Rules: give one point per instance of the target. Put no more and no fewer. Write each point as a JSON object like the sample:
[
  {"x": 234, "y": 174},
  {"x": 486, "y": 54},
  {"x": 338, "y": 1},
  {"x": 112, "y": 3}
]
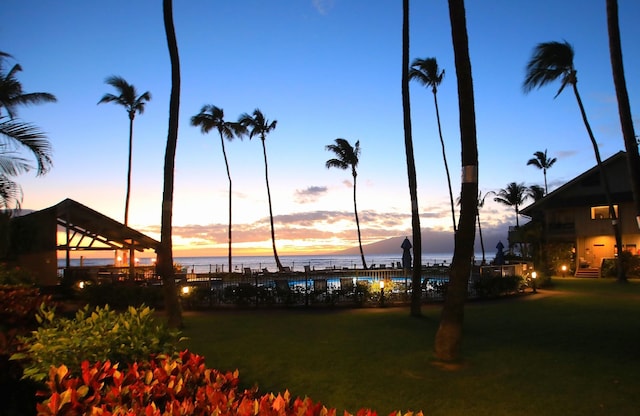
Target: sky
[{"x": 324, "y": 69}]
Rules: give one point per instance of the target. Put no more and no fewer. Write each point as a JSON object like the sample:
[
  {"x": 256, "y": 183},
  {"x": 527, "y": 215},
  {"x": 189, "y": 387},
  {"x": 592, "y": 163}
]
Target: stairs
[{"x": 592, "y": 272}]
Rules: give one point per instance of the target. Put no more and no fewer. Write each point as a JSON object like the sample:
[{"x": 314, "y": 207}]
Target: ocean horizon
[{"x": 209, "y": 264}]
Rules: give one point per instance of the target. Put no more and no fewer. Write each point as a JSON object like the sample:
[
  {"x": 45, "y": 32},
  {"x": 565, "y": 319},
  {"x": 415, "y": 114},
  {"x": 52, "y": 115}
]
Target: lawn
[{"x": 573, "y": 349}]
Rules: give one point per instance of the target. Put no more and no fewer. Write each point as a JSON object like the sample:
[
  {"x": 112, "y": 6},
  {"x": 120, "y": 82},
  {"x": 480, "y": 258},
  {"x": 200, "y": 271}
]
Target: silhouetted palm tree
[
  {"x": 481, "y": 199},
  {"x": 416, "y": 274},
  {"x": 16, "y": 135},
  {"x": 11, "y": 93},
  {"x": 449, "y": 335},
  {"x": 554, "y": 60},
  {"x": 258, "y": 125},
  {"x": 541, "y": 161},
  {"x": 513, "y": 195},
  {"x": 165, "y": 251},
  {"x": 624, "y": 108},
  {"x": 128, "y": 97},
  {"x": 212, "y": 117},
  {"x": 535, "y": 192},
  {"x": 347, "y": 156},
  {"x": 427, "y": 73}
]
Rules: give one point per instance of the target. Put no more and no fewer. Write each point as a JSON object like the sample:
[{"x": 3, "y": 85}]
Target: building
[{"x": 577, "y": 215}]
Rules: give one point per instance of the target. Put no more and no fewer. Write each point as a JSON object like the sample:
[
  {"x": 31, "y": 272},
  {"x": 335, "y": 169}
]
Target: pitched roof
[
  {"x": 587, "y": 189},
  {"x": 90, "y": 226}
]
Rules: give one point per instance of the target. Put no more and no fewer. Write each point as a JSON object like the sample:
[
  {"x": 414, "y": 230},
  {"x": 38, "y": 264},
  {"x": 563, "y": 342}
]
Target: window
[{"x": 602, "y": 212}]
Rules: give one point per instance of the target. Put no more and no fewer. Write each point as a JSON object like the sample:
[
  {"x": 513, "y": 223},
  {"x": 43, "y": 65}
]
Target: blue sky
[{"x": 323, "y": 69}]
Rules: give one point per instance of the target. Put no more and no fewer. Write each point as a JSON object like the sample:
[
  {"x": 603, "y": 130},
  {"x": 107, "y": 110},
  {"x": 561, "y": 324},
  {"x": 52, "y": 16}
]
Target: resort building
[{"x": 576, "y": 218}]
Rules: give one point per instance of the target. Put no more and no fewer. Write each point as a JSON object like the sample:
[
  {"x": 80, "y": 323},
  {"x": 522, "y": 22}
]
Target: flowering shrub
[{"x": 167, "y": 387}]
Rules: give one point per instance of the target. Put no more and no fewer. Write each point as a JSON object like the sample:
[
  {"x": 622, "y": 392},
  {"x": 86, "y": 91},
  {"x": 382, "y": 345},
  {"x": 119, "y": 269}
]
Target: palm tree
[
  {"x": 449, "y": 335},
  {"x": 11, "y": 93},
  {"x": 165, "y": 251},
  {"x": 16, "y": 135},
  {"x": 211, "y": 117},
  {"x": 624, "y": 108},
  {"x": 535, "y": 192},
  {"x": 554, "y": 60},
  {"x": 427, "y": 73},
  {"x": 258, "y": 125},
  {"x": 541, "y": 161},
  {"x": 514, "y": 195},
  {"x": 481, "y": 199},
  {"x": 347, "y": 157},
  {"x": 128, "y": 97},
  {"x": 416, "y": 274}
]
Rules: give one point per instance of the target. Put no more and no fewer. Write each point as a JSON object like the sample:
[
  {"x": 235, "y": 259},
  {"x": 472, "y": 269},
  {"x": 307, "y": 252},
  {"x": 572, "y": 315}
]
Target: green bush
[
  {"x": 492, "y": 285},
  {"x": 120, "y": 296},
  {"x": 95, "y": 335},
  {"x": 15, "y": 276},
  {"x": 630, "y": 264}
]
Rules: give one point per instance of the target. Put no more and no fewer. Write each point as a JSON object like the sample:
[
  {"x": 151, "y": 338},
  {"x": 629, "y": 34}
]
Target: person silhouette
[{"x": 406, "y": 253}]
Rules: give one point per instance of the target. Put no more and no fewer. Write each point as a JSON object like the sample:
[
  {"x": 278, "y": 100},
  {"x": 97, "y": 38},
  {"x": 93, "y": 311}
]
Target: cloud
[
  {"x": 311, "y": 194},
  {"x": 323, "y": 6}
]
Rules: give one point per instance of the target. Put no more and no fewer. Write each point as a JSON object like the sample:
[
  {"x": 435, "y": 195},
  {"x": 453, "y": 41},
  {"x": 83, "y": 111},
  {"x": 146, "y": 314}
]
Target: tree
[
  {"x": 165, "y": 251},
  {"x": 416, "y": 273},
  {"x": 513, "y": 195},
  {"x": 427, "y": 73},
  {"x": 11, "y": 92},
  {"x": 541, "y": 161},
  {"x": 449, "y": 335},
  {"x": 17, "y": 135},
  {"x": 258, "y": 125},
  {"x": 624, "y": 108},
  {"x": 554, "y": 60},
  {"x": 212, "y": 117},
  {"x": 348, "y": 156},
  {"x": 535, "y": 192},
  {"x": 128, "y": 97}
]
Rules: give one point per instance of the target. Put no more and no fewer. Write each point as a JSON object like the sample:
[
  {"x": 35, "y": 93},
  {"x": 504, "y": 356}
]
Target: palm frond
[
  {"x": 10, "y": 193},
  {"x": 25, "y": 134},
  {"x": 549, "y": 61}
]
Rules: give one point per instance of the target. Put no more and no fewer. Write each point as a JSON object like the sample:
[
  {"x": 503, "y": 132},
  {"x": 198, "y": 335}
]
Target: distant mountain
[{"x": 433, "y": 242}]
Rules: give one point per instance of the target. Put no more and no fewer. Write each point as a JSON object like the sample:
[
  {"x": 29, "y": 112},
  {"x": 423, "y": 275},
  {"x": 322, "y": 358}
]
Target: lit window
[{"x": 602, "y": 212}]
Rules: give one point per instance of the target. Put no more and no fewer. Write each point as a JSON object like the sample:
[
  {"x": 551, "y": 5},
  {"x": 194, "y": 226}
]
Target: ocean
[{"x": 296, "y": 263}]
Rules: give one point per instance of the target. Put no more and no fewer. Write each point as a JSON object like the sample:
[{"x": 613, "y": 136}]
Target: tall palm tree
[
  {"x": 16, "y": 135},
  {"x": 348, "y": 156},
  {"x": 212, "y": 117},
  {"x": 257, "y": 125},
  {"x": 481, "y": 199},
  {"x": 11, "y": 92},
  {"x": 416, "y": 273},
  {"x": 624, "y": 108},
  {"x": 427, "y": 73},
  {"x": 128, "y": 97},
  {"x": 541, "y": 161},
  {"x": 449, "y": 335},
  {"x": 514, "y": 195},
  {"x": 554, "y": 60},
  {"x": 165, "y": 251}
]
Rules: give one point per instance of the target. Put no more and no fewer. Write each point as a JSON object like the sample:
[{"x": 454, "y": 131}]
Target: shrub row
[{"x": 165, "y": 386}]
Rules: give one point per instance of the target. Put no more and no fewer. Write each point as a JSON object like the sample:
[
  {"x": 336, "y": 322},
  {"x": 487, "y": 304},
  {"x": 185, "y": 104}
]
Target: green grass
[{"x": 573, "y": 349}]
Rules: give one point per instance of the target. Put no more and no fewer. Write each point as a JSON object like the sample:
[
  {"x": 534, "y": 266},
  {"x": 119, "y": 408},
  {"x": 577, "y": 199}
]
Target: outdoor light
[
  {"x": 533, "y": 281},
  {"x": 185, "y": 290},
  {"x": 564, "y": 269},
  {"x": 381, "y": 284}
]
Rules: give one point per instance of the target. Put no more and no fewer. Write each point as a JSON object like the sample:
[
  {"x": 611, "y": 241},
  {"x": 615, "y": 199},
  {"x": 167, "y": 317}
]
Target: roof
[
  {"x": 88, "y": 229},
  {"x": 587, "y": 188}
]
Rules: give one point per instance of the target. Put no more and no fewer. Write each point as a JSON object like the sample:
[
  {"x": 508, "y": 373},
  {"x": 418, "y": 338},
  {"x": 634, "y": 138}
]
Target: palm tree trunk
[
  {"x": 226, "y": 163},
  {"x": 446, "y": 165},
  {"x": 624, "y": 108},
  {"x": 355, "y": 209},
  {"x": 165, "y": 251},
  {"x": 127, "y": 197},
  {"x": 416, "y": 275},
  {"x": 484, "y": 261},
  {"x": 273, "y": 233},
  {"x": 449, "y": 335},
  {"x": 544, "y": 173},
  {"x": 607, "y": 191}
]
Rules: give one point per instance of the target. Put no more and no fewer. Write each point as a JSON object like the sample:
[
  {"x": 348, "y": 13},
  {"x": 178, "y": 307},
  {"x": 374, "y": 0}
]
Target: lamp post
[
  {"x": 533, "y": 281},
  {"x": 564, "y": 269},
  {"x": 381, "y": 292}
]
